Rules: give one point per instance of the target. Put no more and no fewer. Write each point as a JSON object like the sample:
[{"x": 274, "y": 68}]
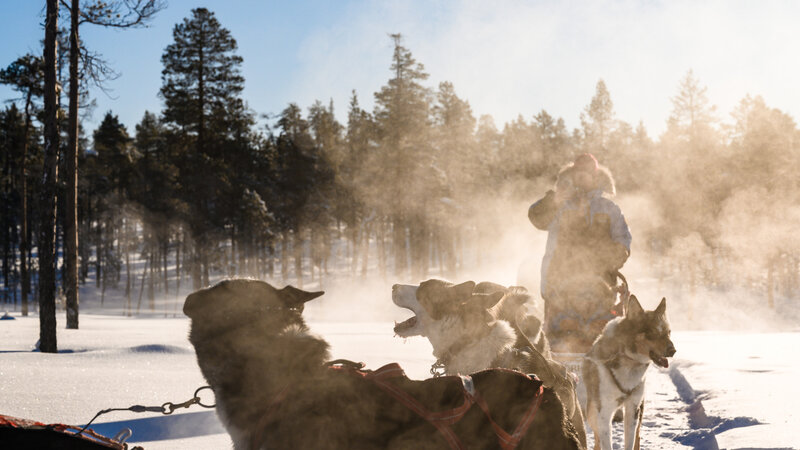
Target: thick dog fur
[
  {"x": 614, "y": 369},
  {"x": 473, "y": 327},
  {"x": 442, "y": 298},
  {"x": 274, "y": 389}
]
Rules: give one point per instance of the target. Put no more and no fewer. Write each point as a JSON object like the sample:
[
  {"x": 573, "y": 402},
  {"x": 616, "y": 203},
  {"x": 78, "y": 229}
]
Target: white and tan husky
[{"x": 614, "y": 369}]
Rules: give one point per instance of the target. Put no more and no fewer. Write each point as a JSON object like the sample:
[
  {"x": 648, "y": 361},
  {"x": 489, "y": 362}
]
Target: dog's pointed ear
[
  {"x": 293, "y": 297},
  {"x": 485, "y": 287},
  {"x": 634, "y": 308},
  {"x": 518, "y": 296},
  {"x": 464, "y": 289},
  {"x": 661, "y": 310},
  {"x": 485, "y": 301},
  {"x": 521, "y": 289}
]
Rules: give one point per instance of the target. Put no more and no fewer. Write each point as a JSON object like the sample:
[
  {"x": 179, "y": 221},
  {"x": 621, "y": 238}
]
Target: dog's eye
[{"x": 651, "y": 336}]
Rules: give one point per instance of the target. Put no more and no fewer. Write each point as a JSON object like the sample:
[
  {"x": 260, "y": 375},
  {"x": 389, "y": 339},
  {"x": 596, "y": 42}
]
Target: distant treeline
[{"x": 200, "y": 189}]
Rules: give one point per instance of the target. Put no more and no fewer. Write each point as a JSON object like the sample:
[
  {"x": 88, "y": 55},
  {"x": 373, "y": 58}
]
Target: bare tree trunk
[
  {"x": 178, "y": 276},
  {"x": 165, "y": 259},
  {"x": 128, "y": 286},
  {"x": 297, "y": 249},
  {"x": 313, "y": 256},
  {"x": 243, "y": 265},
  {"x": 151, "y": 290},
  {"x": 23, "y": 237},
  {"x": 418, "y": 237},
  {"x": 196, "y": 276},
  {"x": 355, "y": 240},
  {"x": 99, "y": 252},
  {"x": 327, "y": 249},
  {"x": 382, "y": 247},
  {"x": 285, "y": 257},
  {"x": 71, "y": 225},
  {"x": 141, "y": 286},
  {"x": 47, "y": 266},
  {"x": 365, "y": 232},
  {"x": 270, "y": 259},
  {"x": 399, "y": 246},
  {"x": 6, "y": 250},
  {"x": 206, "y": 264},
  {"x": 85, "y": 245},
  {"x": 232, "y": 262}
]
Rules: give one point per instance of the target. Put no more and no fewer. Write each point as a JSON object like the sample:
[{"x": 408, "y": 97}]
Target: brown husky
[
  {"x": 614, "y": 369},
  {"x": 275, "y": 390}
]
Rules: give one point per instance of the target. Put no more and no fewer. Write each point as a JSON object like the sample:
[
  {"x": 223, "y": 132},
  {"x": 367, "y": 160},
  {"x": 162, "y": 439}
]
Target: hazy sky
[{"x": 505, "y": 57}]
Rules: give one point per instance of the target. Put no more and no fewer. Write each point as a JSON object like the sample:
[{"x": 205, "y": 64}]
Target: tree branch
[
  {"x": 97, "y": 70},
  {"x": 120, "y": 13}
]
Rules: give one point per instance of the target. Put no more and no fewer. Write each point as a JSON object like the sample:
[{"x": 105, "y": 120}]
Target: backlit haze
[{"x": 732, "y": 192}]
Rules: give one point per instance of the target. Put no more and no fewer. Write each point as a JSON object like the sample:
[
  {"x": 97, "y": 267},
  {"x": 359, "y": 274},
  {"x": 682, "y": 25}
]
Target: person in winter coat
[{"x": 588, "y": 241}]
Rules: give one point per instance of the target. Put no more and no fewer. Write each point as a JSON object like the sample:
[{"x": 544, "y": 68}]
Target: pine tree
[
  {"x": 114, "y": 167},
  {"x": 455, "y": 125},
  {"x": 597, "y": 121},
  {"x": 402, "y": 116},
  {"x": 692, "y": 113},
  {"x": 12, "y": 133},
  {"x": 325, "y": 205},
  {"x": 296, "y": 162},
  {"x": 461, "y": 163},
  {"x": 25, "y": 75},
  {"x": 555, "y": 140},
  {"x": 201, "y": 84},
  {"x": 521, "y": 153},
  {"x": 153, "y": 187},
  {"x": 489, "y": 140}
]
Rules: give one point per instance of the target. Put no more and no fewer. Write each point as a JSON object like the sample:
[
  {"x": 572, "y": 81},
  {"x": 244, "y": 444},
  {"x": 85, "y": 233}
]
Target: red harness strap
[
  {"x": 443, "y": 419},
  {"x": 510, "y": 441},
  {"x": 258, "y": 436}
]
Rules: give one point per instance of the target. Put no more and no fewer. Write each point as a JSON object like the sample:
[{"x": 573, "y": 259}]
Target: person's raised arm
[{"x": 542, "y": 213}]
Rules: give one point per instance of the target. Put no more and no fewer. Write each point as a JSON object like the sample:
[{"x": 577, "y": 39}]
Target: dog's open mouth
[
  {"x": 403, "y": 328},
  {"x": 660, "y": 361}
]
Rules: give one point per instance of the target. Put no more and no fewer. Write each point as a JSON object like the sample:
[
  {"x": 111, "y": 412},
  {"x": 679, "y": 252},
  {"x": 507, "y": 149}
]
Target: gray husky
[{"x": 614, "y": 369}]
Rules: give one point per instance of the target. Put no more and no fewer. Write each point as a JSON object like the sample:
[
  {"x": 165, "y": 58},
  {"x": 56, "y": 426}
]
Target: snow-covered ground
[{"x": 733, "y": 390}]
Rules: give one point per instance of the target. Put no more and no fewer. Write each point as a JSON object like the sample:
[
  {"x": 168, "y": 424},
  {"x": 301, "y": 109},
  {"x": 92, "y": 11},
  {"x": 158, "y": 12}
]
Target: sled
[{"x": 19, "y": 433}]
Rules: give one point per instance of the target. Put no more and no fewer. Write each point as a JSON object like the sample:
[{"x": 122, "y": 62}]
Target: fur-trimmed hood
[{"x": 603, "y": 178}]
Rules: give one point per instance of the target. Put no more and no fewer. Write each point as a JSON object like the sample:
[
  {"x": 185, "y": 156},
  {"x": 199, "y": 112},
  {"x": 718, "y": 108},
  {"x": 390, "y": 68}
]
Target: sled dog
[
  {"x": 440, "y": 296},
  {"x": 473, "y": 327},
  {"x": 615, "y": 366},
  {"x": 275, "y": 389}
]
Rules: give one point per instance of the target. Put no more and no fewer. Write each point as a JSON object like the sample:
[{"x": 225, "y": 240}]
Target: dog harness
[
  {"x": 627, "y": 392},
  {"x": 442, "y": 420}
]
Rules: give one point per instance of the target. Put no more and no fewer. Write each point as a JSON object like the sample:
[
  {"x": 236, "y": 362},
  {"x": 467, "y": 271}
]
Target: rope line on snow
[{"x": 166, "y": 409}]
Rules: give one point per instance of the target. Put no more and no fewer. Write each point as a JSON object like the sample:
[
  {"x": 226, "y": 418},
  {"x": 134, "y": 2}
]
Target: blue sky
[{"x": 507, "y": 58}]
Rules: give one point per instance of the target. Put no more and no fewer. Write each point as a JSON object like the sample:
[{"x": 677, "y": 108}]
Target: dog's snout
[{"x": 670, "y": 349}]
